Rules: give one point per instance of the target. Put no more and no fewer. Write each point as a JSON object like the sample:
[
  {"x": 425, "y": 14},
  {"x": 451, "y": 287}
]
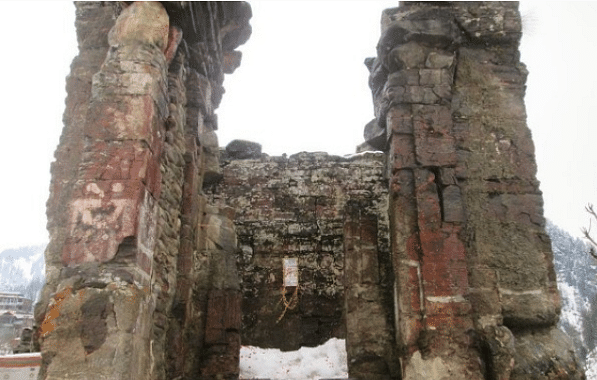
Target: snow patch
[
  {"x": 572, "y": 312},
  {"x": 307, "y": 363},
  {"x": 591, "y": 368},
  {"x": 25, "y": 266}
]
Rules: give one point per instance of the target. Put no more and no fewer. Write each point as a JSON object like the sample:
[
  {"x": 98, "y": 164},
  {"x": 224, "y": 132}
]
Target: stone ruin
[{"x": 430, "y": 257}]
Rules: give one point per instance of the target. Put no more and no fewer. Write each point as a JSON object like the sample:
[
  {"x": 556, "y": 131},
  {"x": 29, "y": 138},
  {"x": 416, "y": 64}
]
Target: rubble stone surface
[{"x": 329, "y": 213}]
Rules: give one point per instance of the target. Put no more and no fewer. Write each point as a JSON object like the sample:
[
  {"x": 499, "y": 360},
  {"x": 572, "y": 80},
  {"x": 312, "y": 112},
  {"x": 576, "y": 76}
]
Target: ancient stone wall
[
  {"x": 330, "y": 213},
  {"x": 131, "y": 252},
  {"x": 475, "y": 287}
]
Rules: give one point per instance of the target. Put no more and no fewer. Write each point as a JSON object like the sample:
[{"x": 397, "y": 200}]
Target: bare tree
[{"x": 587, "y": 231}]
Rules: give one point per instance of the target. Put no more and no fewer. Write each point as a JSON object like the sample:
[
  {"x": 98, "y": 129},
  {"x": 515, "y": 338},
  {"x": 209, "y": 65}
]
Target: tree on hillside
[{"x": 587, "y": 231}]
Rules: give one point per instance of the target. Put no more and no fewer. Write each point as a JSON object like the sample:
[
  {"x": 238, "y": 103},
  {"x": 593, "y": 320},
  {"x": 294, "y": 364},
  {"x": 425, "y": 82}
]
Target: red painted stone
[
  {"x": 174, "y": 38},
  {"x": 449, "y": 324},
  {"x": 447, "y": 308},
  {"x": 101, "y": 215},
  {"x": 413, "y": 248},
  {"x": 443, "y": 280},
  {"x": 121, "y": 160},
  {"x": 428, "y": 205}
]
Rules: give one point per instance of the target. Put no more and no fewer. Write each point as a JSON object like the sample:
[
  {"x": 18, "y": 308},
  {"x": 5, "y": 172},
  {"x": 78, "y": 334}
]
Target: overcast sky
[{"x": 302, "y": 86}]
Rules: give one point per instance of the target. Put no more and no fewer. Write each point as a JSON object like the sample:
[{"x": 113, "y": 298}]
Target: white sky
[{"x": 302, "y": 86}]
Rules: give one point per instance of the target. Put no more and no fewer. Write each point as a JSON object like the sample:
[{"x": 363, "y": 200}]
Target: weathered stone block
[
  {"x": 199, "y": 92},
  {"x": 452, "y": 205},
  {"x": 447, "y": 176},
  {"x": 106, "y": 84},
  {"x": 535, "y": 352},
  {"x": 76, "y": 339},
  {"x": 141, "y": 22},
  {"x": 534, "y": 307},
  {"x": 93, "y": 25},
  {"x": 242, "y": 149},
  {"x": 231, "y": 61},
  {"x": 399, "y": 120},
  {"x": 121, "y": 160},
  {"x": 415, "y": 95},
  {"x": 433, "y": 26},
  {"x": 402, "y": 151},
  {"x": 223, "y": 314},
  {"x": 375, "y": 135},
  {"x": 102, "y": 215},
  {"x": 435, "y": 77},
  {"x": 438, "y": 60},
  {"x": 220, "y": 233},
  {"x": 499, "y": 24},
  {"x": 408, "y": 288},
  {"x": 123, "y": 118},
  {"x": 435, "y": 151},
  {"x": 403, "y": 78},
  {"x": 410, "y": 55},
  {"x": 432, "y": 120},
  {"x": 486, "y": 302}
]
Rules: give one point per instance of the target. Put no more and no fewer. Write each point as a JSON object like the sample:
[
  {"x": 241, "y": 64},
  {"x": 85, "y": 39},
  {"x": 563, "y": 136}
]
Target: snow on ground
[
  {"x": 591, "y": 368},
  {"x": 308, "y": 363}
]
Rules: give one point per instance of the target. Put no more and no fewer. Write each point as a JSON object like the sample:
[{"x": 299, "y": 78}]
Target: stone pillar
[
  {"x": 474, "y": 281},
  {"x": 127, "y": 270},
  {"x": 102, "y": 296},
  {"x": 369, "y": 342},
  {"x": 221, "y": 353}
]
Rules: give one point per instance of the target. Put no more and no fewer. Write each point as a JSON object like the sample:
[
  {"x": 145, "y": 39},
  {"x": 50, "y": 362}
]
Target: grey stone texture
[{"x": 328, "y": 212}]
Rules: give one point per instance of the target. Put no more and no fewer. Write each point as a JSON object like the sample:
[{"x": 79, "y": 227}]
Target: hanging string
[{"x": 290, "y": 304}]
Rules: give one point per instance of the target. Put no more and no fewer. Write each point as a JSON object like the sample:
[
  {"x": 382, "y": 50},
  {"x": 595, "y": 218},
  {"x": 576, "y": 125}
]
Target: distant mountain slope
[
  {"x": 577, "y": 281},
  {"x": 22, "y": 270}
]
